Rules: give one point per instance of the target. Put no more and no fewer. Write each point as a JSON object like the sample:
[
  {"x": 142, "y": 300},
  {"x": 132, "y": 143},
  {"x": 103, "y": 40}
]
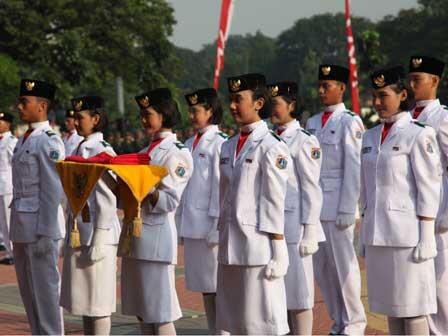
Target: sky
[{"x": 198, "y": 20}]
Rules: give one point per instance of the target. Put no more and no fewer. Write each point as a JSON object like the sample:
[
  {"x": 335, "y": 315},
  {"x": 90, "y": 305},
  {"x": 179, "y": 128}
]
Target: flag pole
[
  {"x": 224, "y": 28},
  {"x": 352, "y": 60}
]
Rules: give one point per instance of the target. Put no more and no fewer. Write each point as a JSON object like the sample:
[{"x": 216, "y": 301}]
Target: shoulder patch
[
  {"x": 306, "y": 132},
  {"x": 180, "y": 145},
  {"x": 350, "y": 113},
  {"x": 418, "y": 123},
  {"x": 275, "y": 136},
  {"x": 223, "y": 135},
  {"x": 105, "y": 143},
  {"x": 50, "y": 133}
]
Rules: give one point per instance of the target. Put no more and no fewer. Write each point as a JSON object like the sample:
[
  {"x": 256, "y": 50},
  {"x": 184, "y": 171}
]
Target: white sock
[
  {"x": 165, "y": 328},
  {"x": 302, "y": 321},
  {"x": 101, "y": 325}
]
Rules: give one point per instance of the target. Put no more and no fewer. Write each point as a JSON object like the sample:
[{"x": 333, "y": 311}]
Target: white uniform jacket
[
  {"x": 401, "y": 180},
  {"x": 158, "y": 241},
  {"x": 71, "y": 142},
  {"x": 7, "y": 145},
  {"x": 200, "y": 201},
  {"x": 436, "y": 115},
  {"x": 252, "y": 196},
  {"x": 102, "y": 203},
  {"x": 37, "y": 191},
  {"x": 303, "y": 202},
  {"x": 340, "y": 140}
]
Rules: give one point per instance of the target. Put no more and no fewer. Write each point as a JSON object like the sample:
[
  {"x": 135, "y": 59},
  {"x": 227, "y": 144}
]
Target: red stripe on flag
[
  {"x": 224, "y": 28},
  {"x": 352, "y": 59}
]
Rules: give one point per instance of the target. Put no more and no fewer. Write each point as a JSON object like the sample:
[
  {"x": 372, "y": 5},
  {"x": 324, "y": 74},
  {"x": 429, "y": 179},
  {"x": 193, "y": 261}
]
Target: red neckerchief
[
  {"x": 27, "y": 134},
  {"x": 241, "y": 141},
  {"x": 325, "y": 116},
  {"x": 196, "y": 139},
  {"x": 153, "y": 145},
  {"x": 417, "y": 111},
  {"x": 385, "y": 132}
]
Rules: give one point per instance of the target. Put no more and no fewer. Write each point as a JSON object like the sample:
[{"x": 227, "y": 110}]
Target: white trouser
[
  {"x": 5, "y": 214},
  {"x": 337, "y": 274},
  {"x": 39, "y": 284},
  {"x": 438, "y": 323}
]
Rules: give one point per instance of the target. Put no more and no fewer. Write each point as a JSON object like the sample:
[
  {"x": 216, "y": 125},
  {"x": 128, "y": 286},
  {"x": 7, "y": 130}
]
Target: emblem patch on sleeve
[
  {"x": 358, "y": 134},
  {"x": 281, "y": 162},
  {"x": 315, "y": 153},
  {"x": 54, "y": 154},
  {"x": 180, "y": 171}
]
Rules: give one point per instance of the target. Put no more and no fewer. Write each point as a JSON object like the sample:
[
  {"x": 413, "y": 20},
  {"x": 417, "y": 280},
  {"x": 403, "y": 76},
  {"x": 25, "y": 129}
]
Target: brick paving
[{"x": 13, "y": 320}]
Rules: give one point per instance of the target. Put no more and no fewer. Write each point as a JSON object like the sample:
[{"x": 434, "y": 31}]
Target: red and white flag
[
  {"x": 224, "y": 28},
  {"x": 352, "y": 59}
]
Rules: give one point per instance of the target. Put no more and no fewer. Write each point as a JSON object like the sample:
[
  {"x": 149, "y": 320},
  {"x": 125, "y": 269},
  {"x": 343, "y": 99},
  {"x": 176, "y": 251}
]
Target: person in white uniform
[
  {"x": 72, "y": 138},
  {"x": 303, "y": 204},
  {"x": 336, "y": 267},
  {"x": 199, "y": 210},
  {"x": 37, "y": 219},
  {"x": 400, "y": 193},
  {"x": 147, "y": 276},
  {"x": 252, "y": 257},
  {"x": 7, "y": 144},
  {"x": 424, "y": 78},
  {"x": 89, "y": 272}
]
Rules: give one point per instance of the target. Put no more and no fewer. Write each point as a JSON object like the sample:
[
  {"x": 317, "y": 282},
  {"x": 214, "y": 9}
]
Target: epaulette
[
  {"x": 223, "y": 135},
  {"x": 305, "y": 131},
  {"x": 418, "y": 123},
  {"x": 276, "y": 136},
  {"x": 50, "y": 133},
  {"x": 180, "y": 145},
  {"x": 350, "y": 113},
  {"x": 105, "y": 144},
  {"x": 445, "y": 107}
]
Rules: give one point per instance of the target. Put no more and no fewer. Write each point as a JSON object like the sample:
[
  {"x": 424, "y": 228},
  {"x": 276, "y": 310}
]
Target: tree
[{"x": 83, "y": 45}]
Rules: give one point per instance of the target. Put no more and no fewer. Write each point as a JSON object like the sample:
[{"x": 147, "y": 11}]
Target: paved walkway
[{"x": 13, "y": 319}]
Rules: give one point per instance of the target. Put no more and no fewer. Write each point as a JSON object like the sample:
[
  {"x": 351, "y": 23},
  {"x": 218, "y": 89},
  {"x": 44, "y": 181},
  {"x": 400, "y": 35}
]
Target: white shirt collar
[
  {"x": 424, "y": 103},
  {"x": 336, "y": 107},
  {"x": 251, "y": 127},
  {"x": 39, "y": 124}
]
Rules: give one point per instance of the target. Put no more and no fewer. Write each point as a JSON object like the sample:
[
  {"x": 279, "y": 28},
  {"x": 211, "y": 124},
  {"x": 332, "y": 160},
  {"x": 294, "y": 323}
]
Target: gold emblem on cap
[
  {"x": 144, "y": 101},
  {"x": 380, "y": 80},
  {"x": 274, "y": 91},
  {"x": 416, "y": 62},
  {"x": 1, "y": 115},
  {"x": 326, "y": 70},
  {"x": 235, "y": 84},
  {"x": 193, "y": 99},
  {"x": 78, "y": 105},
  {"x": 29, "y": 85},
  {"x": 71, "y": 113}
]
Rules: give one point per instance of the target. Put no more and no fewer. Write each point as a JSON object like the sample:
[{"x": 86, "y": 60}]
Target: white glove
[
  {"x": 43, "y": 246},
  {"x": 426, "y": 248},
  {"x": 308, "y": 245},
  {"x": 345, "y": 220},
  {"x": 213, "y": 236},
  {"x": 97, "y": 249},
  {"x": 278, "y": 265},
  {"x": 442, "y": 224}
]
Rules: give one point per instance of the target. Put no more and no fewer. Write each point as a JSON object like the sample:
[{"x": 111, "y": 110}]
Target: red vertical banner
[
  {"x": 224, "y": 28},
  {"x": 352, "y": 60}
]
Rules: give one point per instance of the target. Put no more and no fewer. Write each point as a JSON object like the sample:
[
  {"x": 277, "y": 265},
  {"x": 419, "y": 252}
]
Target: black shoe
[
  {"x": 2, "y": 247},
  {"x": 7, "y": 261}
]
